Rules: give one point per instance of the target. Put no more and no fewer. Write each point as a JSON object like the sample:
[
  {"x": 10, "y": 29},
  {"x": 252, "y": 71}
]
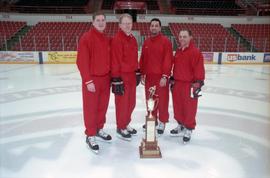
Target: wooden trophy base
[{"x": 149, "y": 150}]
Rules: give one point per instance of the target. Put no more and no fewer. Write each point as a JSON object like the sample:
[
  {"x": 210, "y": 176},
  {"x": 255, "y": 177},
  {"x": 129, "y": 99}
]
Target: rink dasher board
[{"x": 70, "y": 57}]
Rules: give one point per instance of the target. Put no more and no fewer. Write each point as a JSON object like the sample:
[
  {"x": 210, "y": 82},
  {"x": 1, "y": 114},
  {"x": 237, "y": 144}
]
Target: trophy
[{"x": 149, "y": 146}]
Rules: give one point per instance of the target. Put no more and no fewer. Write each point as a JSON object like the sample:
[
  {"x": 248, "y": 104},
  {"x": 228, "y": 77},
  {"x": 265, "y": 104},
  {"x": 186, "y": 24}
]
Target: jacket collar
[
  {"x": 124, "y": 35},
  {"x": 191, "y": 45},
  {"x": 95, "y": 31},
  {"x": 153, "y": 38}
]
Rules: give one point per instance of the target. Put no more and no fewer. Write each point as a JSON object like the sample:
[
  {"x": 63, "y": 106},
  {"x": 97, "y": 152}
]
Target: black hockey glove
[
  {"x": 117, "y": 86},
  {"x": 196, "y": 89},
  {"x": 171, "y": 82},
  {"x": 138, "y": 77}
]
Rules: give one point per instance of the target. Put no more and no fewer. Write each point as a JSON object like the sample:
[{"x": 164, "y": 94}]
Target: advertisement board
[
  {"x": 19, "y": 57},
  {"x": 59, "y": 57},
  {"x": 210, "y": 57},
  {"x": 242, "y": 58},
  {"x": 266, "y": 57}
]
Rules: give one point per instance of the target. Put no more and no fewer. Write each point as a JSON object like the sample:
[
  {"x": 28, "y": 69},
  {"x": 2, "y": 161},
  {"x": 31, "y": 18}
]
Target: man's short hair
[
  {"x": 156, "y": 20},
  {"x": 186, "y": 30},
  {"x": 124, "y": 15},
  {"x": 95, "y": 14}
]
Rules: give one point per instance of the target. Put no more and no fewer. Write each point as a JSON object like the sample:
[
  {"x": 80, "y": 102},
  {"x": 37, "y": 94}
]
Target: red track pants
[
  {"x": 95, "y": 105},
  {"x": 185, "y": 107},
  {"x": 125, "y": 104}
]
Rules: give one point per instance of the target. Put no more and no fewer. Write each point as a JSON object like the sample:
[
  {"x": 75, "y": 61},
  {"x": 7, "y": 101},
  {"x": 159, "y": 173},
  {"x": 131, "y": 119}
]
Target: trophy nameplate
[
  {"x": 150, "y": 126},
  {"x": 149, "y": 146}
]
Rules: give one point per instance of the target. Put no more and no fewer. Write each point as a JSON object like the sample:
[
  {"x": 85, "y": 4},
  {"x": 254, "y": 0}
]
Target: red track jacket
[
  {"x": 124, "y": 54},
  {"x": 156, "y": 56},
  {"x": 93, "y": 59},
  {"x": 188, "y": 64}
]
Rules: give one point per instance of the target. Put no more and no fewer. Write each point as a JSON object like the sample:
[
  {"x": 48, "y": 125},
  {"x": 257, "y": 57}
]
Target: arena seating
[
  {"x": 142, "y": 27},
  {"x": 256, "y": 34},
  {"x": 52, "y": 3},
  {"x": 203, "y": 7},
  {"x": 63, "y": 36},
  {"x": 9, "y": 29},
  {"x": 151, "y": 4},
  {"x": 54, "y": 36},
  {"x": 208, "y": 37},
  {"x": 262, "y": 6},
  {"x": 50, "y": 6},
  {"x": 107, "y": 4},
  {"x": 111, "y": 28}
]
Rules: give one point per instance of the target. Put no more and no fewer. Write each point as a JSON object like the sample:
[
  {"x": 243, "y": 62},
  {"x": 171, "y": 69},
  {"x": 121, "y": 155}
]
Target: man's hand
[
  {"x": 91, "y": 87},
  {"x": 163, "y": 82},
  {"x": 197, "y": 88},
  {"x": 143, "y": 79}
]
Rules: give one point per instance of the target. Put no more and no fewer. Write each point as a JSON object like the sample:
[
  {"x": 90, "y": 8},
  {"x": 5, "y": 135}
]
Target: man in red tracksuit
[
  {"x": 93, "y": 61},
  {"x": 155, "y": 66},
  {"x": 124, "y": 53},
  {"x": 189, "y": 75}
]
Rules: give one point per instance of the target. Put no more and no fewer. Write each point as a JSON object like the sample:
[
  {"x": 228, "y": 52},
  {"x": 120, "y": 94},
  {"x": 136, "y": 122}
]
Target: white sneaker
[
  {"x": 123, "y": 134},
  {"x": 131, "y": 130},
  {"x": 160, "y": 128},
  {"x": 91, "y": 142},
  {"x": 104, "y": 136},
  {"x": 187, "y": 136},
  {"x": 178, "y": 131}
]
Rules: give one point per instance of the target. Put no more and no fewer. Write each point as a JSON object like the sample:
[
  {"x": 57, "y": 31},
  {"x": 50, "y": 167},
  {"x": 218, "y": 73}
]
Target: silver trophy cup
[{"x": 151, "y": 102}]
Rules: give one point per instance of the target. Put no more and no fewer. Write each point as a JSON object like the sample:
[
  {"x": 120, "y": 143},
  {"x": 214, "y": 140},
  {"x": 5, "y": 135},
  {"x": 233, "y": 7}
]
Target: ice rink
[{"x": 42, "y": 132}]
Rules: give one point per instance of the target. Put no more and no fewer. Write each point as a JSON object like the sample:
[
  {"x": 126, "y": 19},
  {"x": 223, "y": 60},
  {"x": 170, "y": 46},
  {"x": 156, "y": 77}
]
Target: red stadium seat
[
  {"x": 256, "y": 34},
  {"x": 208, "y": 37},
  {"x": 8, "y": 30}
]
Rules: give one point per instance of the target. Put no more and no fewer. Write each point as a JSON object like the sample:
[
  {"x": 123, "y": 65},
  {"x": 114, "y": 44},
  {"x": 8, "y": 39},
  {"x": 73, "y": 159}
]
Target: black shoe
[
  {"x": 103, "y": 135},
  {"x": 131, "y": 130},
  {"x": 124, "y": 134},
  {"x": 91, "y": 141}
]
